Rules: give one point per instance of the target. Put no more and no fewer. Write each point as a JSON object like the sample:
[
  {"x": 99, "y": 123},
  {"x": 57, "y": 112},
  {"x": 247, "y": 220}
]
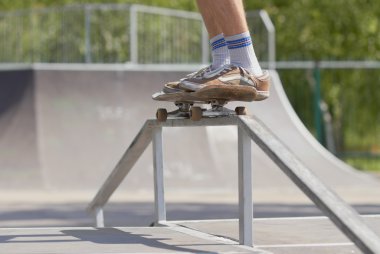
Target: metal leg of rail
[
  {"x": 159, "y": 198},
  {"x": 344, "y": 216},
  {"x": 99, "y": 217},
  {"x": 245, "y": 189}
]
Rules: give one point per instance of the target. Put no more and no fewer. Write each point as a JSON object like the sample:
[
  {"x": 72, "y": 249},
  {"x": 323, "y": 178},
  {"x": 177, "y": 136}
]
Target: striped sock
[
  {"x": 242, "y": 53},
  {"x": 219, "y": 53}
]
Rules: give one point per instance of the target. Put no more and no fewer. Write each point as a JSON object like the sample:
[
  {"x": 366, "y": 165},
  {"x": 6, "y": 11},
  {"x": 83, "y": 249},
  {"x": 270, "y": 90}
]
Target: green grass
[{"x": 365, "y": 164}]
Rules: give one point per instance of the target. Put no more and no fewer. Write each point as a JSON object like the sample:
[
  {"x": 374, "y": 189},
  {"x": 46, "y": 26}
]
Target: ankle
[
  {"x": 220, "y": 54},
  {"x": 242, "y": 53}
]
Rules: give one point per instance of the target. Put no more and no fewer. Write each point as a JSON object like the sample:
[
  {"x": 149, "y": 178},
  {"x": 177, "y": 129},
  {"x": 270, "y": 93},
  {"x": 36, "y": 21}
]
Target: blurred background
[
  {"x": 100, "y": 32},
  {"x": 326, "y": 53}
]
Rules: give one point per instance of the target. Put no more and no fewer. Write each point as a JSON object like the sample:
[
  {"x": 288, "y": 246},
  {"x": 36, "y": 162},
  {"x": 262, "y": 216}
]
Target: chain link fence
[{"x": 113, "y": 33}]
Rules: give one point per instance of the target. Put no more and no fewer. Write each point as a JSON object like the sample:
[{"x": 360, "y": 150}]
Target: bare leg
[
  {"x": 209, "y": 19},
  {"x": 223, "y": 16},
  {"x": 228, "y": 17},
  {"x": 232, "y": 51}
]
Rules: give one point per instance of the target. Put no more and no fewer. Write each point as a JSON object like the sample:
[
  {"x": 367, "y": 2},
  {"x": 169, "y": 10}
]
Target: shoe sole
[{"x": 215, "y": 92}]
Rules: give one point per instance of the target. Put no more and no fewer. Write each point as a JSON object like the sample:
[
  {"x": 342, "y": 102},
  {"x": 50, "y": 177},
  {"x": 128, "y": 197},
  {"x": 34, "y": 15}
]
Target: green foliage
[
  {"x": 324, "y": 29},
  {"x": 333, "y": 30},
  {"x": 355, "y": 106},
  {"x": 306, "y": 29},
  {"x": 184, "y": 49},
  {"x": 353, "y": 102},
  {"x": 368, "y": 164},
  {"x": 6, "y": 5},
  {"x": 109, "y": 37}
]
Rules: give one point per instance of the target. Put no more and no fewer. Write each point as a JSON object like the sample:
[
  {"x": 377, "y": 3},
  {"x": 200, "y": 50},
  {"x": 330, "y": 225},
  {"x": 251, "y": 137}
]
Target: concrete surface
[
  {"x": 117, "y": 214},
  {"x": 110, "y": 240},
  {"x": 313, "y": 235},
  {"x": 289, "y": 235}
]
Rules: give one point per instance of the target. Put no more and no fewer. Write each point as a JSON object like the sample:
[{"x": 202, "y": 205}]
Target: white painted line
[
  {"x": 208, "y": 237},
  {"x": 310, "y": 218},
  {"x": 201, "y": 221},
  {"x": 293, "y": 218},
  {"x": 254, "y": 219},
  {"x": 269, "y": 219},
  {"x": 371, "y": 216},
  {"x": 198, "y": 234},
  {"x": 305, "y": 245}
]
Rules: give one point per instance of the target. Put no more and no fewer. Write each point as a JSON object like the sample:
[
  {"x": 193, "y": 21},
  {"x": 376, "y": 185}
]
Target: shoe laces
[
  {"x": 228, "y": 68},
  {"x": 199, "y": 73}
]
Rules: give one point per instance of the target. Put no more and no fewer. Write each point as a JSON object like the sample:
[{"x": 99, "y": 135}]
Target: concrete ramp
[
  {"x": 84, "y": 117},
  {"x": 19, "y": 165}
]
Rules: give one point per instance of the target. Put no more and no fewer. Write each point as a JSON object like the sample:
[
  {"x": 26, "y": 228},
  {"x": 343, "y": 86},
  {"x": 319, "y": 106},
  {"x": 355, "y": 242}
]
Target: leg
[
  {"x": 228, "y": 17},
  {"x": 219, "y": 50},
  {"x": 234, "y": 59},
  {"x": 245, "y": 188},
  {"x": 159, "y": 199},
  {"x": 223, "y": 16}
]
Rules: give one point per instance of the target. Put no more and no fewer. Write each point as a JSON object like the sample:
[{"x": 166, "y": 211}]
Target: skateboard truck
[{"x": 195, "y": 113}]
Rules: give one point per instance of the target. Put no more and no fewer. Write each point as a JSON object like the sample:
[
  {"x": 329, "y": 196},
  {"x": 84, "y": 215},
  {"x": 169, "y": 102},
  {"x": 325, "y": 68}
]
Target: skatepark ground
[{"x": 63, "y": 129}]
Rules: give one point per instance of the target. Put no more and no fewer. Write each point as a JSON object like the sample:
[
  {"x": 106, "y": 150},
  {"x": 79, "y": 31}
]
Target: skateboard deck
[
  {"x": 212, "y": 92},
  {"x": 215, "y": 96}
]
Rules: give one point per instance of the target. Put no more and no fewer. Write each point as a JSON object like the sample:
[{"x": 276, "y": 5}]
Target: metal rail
[{"x": 341, "y": 214}]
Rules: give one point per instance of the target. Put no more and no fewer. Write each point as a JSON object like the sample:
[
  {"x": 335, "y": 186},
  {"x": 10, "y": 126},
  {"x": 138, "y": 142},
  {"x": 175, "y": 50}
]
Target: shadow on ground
[
  {"x": 111, "y": 236},
  {"x": 141, "y": 214}
]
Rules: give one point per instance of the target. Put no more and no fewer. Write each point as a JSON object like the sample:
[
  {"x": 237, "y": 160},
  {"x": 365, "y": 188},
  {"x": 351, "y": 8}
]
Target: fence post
[
  {"x": 205, "y": 45},
  {"x": 133, "y": 40},
  {"x": 271, "y": 39},
  {"x": 317, "y": 103},
  {"x": 87, "y": 25},
  {"x": 33, "y": 32}
]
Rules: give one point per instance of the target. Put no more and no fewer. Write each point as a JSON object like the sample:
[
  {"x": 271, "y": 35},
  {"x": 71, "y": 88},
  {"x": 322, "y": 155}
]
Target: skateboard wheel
[
  {"x": 241, "y": 111},
  {"x": 195, "y": 113},
  {"x": 161, "y": 115}
]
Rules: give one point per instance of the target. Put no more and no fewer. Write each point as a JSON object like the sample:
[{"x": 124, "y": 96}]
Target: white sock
[
  {"x": 242, "y": 53},
  {"x": 219, "y": 52}
]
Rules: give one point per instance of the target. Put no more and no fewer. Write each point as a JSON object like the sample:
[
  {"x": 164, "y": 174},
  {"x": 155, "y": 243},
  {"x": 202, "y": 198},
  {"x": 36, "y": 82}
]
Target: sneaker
[
  {"x": 229, "y": 76},
  {"x": 173, "y": 87},
  {"x": 199, "y": 73}
]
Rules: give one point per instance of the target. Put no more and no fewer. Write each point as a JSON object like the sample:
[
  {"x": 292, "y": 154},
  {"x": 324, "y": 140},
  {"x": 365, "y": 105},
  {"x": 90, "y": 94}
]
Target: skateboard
[{"x": 214, "y": 97}]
